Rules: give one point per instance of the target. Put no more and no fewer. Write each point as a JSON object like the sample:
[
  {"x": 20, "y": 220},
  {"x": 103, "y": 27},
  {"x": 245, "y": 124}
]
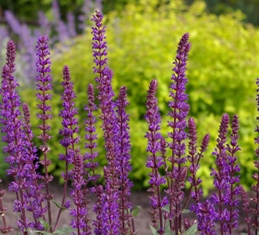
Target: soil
[{"x": 140, "y": 198}]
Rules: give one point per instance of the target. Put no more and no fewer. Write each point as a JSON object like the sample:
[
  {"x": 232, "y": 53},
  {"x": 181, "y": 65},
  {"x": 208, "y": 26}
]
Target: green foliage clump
[{"x": 222, "y": 68}]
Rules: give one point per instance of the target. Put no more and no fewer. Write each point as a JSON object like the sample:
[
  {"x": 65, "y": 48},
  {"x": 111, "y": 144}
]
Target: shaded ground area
[{"x": 142, "y": 221}]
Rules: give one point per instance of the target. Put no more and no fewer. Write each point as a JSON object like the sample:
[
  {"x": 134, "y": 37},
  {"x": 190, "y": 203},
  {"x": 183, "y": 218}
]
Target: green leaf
[
  {"x": 153, "y": 230},
  {"x": 66, "y": 230},
  {"x": 135, "y": 211},
  {"x": 166, "y": 208},
  {"x": 186, "y": 211},
  {"x": 192, "y": 230},
  {"x": 44, "y": 224},
  {"x": 32, "y": 232},
  {"x": 59, "y": 206},
  {"x": 167, "y": 229}
]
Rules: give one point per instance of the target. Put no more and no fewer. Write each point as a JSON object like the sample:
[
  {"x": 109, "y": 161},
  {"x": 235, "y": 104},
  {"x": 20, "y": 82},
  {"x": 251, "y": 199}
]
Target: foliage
[{"x": 141, "y": 47}]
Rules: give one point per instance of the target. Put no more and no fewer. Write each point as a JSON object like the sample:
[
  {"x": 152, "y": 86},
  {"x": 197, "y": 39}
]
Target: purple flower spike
[
  {"x": 12, "y": 127},
  {"x": 33, "y": 191},
  {"x": 44, "y": 87},
  {"x": 221, "y": 175},
  {"x": 69, "y": 122},
  {"x": 179, "y": 106},
  {"x": 233, "y": 190},
  {"x": 206, "y": 216},
  {"x": 99, "y": 45},
  {"x": 123, "y": 161},
  {"x": 81, "y": 211},
  {"x": 91, "y": 137},
  {"x": 178, "y": 116},
  {"x": 154, "y": 161},
  {"x": 110, "y": 213},
  {"x": 69, "y": 130},
  {"x": 104, "y": 86},
  {"x": 194, "y": 158}
]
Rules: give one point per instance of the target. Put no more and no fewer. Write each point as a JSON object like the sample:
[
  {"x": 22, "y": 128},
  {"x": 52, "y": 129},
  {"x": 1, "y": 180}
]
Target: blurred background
[{"x": 142, "y": 40}]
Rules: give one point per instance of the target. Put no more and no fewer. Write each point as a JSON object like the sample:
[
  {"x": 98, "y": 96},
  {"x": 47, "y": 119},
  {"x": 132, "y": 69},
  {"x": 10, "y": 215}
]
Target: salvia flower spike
[
  {"x": 68, "y": 132},
  {"x": 233, "y": 189},
  {"x": 178, "y": 114},
  {"x": 35, "y": 196},
  {"x": 154, "y": 161},
  {"x": 108, "y": 117},
  {"x": 91, "y": 136},
  {"x": 44, "y": 86},
  {"x": 123, "y": 161},
  {"x": 12, "y": 127},
  {"x": 221, "y": 174}
]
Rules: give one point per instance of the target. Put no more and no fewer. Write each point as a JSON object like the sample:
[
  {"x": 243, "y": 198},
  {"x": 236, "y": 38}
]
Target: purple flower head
[
  {"x": 81, "y": 211},
  {"x": 123, "y": 159},
  {"x": 43, "y": 85},
  {"x": 21, "y": 168},
  {"x": 178, "y": 114},
  {"x": 233, "y": 190},
  {"x": 178, "y": 105},
  {"x": 225, "y": 176},
  {"x": 110, "y": 200},
  {"x": 69, "y": 122},
  {"x": 206, "y": 215},
  {"x": 10, "y": 114},
  {"x": 99, "y": 45},
  {"x": 154, "y": 161},
  {"x": 105, "y": 96},
  {"x": 33, "y": 190},
  {"x": 91, "y": 136}
]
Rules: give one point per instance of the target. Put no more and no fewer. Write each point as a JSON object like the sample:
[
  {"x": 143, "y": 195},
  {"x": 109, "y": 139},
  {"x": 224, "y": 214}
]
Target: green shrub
[{"x": 222, "y": 68}]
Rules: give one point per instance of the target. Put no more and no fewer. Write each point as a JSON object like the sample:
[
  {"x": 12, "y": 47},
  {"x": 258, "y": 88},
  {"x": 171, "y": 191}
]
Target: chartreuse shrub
[
  {"x": 173, "y": 158},
  {"x": 221, "y": 69}
]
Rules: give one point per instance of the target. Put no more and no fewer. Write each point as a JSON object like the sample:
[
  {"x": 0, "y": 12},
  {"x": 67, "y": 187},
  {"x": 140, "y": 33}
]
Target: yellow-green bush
[{"x": 222, "y": 68}]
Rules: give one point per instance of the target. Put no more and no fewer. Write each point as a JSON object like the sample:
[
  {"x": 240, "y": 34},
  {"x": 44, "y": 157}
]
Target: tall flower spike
[
  {"x": 68, "y": 132},
  {"x": 194, "y": 159},
  {"x": 123, "y": 161},
  {"x": 80, "y": 223},
  {"x": 91, "y": 164},
  {"x": 154, "y": 161},
  {"x": 44, "y": 86},
  {"x": 33, "y": 191},
  {"x": 91, "y": 137},
  {"x": 105, "y": 96},
  {"x": 178, "y": 116},
  {"x": 105, "y": 90},
  {"x": 233, "y": 190},
  {"x": 221, "y": 175},
  {"x": 12, "y": 127}
]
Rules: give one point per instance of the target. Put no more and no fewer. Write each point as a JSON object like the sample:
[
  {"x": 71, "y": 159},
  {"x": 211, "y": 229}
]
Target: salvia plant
[{"x": 173, "y": 159}]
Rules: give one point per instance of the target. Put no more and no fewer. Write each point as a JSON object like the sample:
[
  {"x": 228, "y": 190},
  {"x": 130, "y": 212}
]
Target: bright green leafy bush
[{"x": 222, "y": 69}]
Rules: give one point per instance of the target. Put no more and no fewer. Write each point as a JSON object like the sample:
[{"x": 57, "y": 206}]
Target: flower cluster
[{"x": 168, "y": 160}]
